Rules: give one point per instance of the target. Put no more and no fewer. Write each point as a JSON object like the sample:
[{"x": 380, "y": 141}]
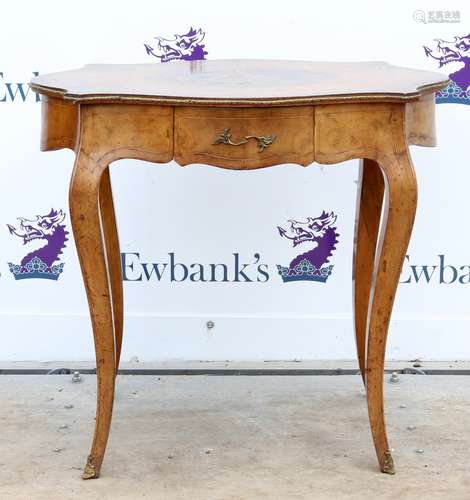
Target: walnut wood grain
[
  {"x": 240, "y": 82},
  {"x": 196, "y": 130},
  {"x": 365, "y": 111},
  {"x": 399, "y": 212},
  {"x": 113, "y": 259},
  {"x": 59, "y": 124},
  {"x": 106, "y": 135},
  {"x": 368, "y": 212},
  {"x": 86, "y": 225},
  {"x": 376, "y": 132},
  {"x": 420, "y": 122}
]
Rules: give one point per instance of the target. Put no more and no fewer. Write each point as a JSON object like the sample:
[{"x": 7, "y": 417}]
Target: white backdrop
[{"x": 205, "y": 215}]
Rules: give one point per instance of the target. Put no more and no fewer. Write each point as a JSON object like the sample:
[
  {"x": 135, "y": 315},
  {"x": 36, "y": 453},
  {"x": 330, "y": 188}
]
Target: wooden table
[{"x": 243, "y": 114}]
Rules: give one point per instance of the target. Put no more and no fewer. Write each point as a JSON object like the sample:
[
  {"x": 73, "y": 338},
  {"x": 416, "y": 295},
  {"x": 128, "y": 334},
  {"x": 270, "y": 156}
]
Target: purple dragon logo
[
  {"x": 321, "y": 236},
  {"x": 456, "y": 53},
  {"x": 184, "y": 47},
  {"x": 40, "y": 263}
]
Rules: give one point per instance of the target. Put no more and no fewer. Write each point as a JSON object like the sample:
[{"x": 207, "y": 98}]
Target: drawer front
[{"x": 244, "y": 138}]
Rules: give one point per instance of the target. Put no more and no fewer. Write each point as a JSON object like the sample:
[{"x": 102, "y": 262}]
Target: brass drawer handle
[{"x": 225, "y": 137}]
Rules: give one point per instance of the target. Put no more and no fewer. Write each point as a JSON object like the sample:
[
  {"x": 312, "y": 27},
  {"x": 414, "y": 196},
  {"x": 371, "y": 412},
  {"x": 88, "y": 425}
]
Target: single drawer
[{"x": 244, "y": 138}]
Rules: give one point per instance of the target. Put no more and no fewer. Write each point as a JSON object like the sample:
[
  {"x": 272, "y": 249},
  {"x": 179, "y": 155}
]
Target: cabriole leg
[
  {"x": 368, "y": 210},
  {"x": 85, "y": 217},
  {"x": 113, "y": 256},
  {"x": 399, "y": 213}
]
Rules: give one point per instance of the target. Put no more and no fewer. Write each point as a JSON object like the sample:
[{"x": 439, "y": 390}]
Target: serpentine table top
[{"x": 239, "y": 82}]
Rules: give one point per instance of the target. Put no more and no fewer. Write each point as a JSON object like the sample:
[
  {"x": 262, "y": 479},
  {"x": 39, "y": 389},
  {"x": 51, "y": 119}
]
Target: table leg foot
[
  {"x": 387, "y": 465},
  {"x": 90, "y": 471}
]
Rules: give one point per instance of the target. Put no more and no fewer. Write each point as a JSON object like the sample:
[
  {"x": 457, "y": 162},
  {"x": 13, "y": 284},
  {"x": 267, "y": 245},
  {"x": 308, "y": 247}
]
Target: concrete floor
[{"x": 227, "y": 438}]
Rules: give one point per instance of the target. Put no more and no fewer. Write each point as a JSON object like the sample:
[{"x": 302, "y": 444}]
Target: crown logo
[
  {"x": 36, "y": 268},
  {"x": 453, "y": 94},
  {"x": 304, "y": 271}
]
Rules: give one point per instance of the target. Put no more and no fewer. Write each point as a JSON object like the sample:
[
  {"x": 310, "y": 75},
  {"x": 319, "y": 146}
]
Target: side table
[{"x": 243, "y": 114}]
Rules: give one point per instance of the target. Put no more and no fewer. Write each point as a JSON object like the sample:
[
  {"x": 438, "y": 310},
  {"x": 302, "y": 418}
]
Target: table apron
[{"x": 236, "y": 138}]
